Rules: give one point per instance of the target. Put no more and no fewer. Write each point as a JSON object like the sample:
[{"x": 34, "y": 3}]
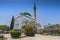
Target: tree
[
  {"x": 12, "y": 23},
  {"x": 4, "y": 27},
  {"x": 56, "y": 26},
  {"x": 35, "y": 25}
]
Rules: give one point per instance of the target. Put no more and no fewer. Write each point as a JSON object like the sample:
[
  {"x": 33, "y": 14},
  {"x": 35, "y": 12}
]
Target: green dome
[
  {"x": 25, "y": 13},
  {"x": 49, "y": 27}
]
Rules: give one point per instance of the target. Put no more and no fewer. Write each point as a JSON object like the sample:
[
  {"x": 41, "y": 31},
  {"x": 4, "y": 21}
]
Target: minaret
[{"x": 34, "y": 11}]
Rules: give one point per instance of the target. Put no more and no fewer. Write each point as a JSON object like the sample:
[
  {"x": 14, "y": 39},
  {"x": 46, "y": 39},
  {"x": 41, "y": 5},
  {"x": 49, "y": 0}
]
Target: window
[{"x": 18, "y": 24}]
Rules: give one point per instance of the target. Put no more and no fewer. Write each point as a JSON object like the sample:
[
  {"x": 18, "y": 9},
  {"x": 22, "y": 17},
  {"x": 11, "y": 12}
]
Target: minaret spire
[{"x": 34, "y": 10}]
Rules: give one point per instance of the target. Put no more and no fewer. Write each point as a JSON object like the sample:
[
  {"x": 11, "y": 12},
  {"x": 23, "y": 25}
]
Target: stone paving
[{"x": 37, "y": 37}]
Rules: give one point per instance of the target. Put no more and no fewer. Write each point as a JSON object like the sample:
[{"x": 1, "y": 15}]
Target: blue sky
[{"x": 48, "y": 11}]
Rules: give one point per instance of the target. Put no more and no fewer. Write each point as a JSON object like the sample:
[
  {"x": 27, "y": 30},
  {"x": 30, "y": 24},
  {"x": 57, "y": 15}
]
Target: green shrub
[
  {"x": 29, "y": 31},
  {"x": 28, "y": 28},
  {"x": 1, "y": 36},
  {"x": 16, "y": 30},
  {"x": 15, "y": 33},
  {"x": 56, "y": 33}
]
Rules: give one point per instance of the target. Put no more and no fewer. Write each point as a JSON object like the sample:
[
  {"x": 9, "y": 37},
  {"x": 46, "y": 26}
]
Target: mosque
[{"x": 19, "y": 19}]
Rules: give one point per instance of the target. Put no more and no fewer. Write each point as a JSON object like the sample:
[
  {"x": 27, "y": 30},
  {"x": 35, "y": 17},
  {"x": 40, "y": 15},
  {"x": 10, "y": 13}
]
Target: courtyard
[{"x": 36, "y": 37}]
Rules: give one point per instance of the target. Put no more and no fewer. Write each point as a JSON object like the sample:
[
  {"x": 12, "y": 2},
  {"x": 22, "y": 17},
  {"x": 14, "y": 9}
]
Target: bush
[
  {"x": 29, "y": 31},
  {"x": 28, "y": 28},
  {"x": 56, "y": 33},
  {"x": 15, "y": 33},
  {"x": 1, "y": 36}
]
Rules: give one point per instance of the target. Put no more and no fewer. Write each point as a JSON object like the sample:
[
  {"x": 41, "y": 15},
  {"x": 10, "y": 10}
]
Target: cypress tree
[{"x": 12, "y": 23}]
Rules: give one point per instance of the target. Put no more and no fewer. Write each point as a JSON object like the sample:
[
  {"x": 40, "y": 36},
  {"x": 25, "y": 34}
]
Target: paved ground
[{"x": 37, "y": 37}]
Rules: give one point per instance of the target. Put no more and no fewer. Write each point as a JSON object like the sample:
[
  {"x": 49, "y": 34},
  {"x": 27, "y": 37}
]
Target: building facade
[{"x": 20, "y": 19}]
